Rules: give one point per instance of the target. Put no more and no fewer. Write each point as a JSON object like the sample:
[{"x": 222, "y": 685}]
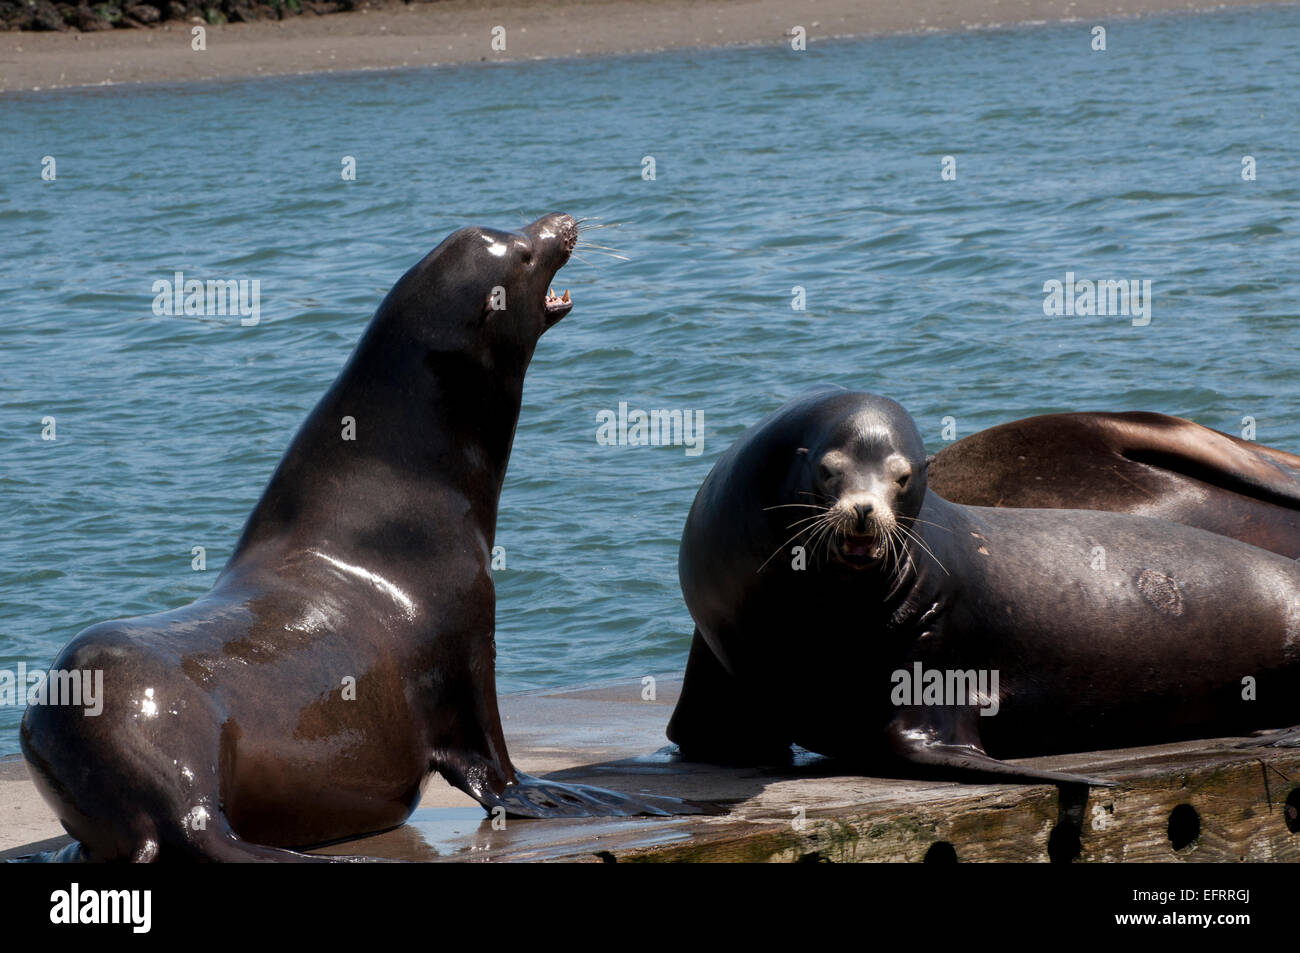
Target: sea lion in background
[
  {"x": 1103, "y": 629},
  {"x": 228, "y": 730},
  {"x": 1143, "y": 463}
]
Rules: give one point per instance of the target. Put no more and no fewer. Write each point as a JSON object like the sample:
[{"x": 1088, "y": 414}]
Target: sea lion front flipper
[
  {"x": 496, "y": 784},
  {"x": 944, "y": 738},
  {"x": 721, "y": 720},
  {"x": 1282, "y": 738},
  {"x": 1208, "y": 456},
  {"x": 528, "y": 796}
]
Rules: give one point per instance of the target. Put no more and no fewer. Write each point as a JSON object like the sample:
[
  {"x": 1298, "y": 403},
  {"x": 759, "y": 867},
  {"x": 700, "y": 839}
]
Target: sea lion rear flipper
[{"x": 941, "y": 738}]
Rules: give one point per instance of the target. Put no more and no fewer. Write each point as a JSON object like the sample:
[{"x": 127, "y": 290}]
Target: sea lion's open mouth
[
  {"x": 557, "y": 306},
  {"x": 860, "y": 552}
]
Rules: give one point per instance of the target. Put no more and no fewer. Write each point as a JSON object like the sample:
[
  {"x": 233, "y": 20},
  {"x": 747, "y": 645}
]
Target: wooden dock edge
[{"x": 1231, "y": 811}]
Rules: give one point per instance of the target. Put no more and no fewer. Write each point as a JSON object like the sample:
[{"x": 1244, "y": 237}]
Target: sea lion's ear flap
[
  {"x": 929, "y": 460},
  {"x": 802, "y": 451}
]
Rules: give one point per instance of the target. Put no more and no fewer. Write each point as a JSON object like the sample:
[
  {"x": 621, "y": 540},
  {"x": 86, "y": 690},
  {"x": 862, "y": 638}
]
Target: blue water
[{"x": 773, "y": 169}]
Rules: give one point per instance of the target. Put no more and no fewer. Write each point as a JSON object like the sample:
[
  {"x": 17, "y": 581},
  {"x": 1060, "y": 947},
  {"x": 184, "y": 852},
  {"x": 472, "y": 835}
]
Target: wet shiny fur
[
  {"x": 1143, "y": 463},
  {"x": 229, "y": 731}
]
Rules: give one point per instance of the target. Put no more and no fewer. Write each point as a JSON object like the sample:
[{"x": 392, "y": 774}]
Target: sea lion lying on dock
[{"x": 843, "y": 605}]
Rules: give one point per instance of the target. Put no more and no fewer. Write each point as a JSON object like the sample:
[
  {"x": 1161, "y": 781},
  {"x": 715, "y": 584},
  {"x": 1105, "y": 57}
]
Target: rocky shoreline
[{"x": 87, "y": 17}]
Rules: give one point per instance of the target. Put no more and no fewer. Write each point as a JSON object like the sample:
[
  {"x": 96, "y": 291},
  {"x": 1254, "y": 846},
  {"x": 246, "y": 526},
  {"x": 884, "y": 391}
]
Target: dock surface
[{"x": 1191, "y": 801}]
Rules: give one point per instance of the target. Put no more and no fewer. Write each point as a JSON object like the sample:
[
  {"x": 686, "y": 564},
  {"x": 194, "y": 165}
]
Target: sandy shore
[{"x": 460, "y": 31}]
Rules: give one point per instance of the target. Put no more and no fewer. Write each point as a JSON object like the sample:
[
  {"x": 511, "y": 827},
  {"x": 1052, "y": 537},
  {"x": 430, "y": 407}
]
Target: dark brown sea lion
[
  {"x": 1143, "y": 463},
  {"x": 829, "y": 584},
  {"x": 347, "y": 649}
]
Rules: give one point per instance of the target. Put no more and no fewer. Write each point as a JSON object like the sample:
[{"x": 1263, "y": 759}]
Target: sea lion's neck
[
  {"x": 923, "y": 586},
  {"x": 407, "y": 440}
]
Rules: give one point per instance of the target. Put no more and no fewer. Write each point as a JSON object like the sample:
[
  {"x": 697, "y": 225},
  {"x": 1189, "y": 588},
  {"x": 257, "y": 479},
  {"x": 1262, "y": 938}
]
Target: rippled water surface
[{"x": 773, "y": 169}]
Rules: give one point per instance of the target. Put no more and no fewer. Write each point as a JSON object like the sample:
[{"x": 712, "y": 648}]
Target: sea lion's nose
[
  {"x": 864, "y": 512},
  {"x": 556, "y": 225},
  {"x": 568, "y": 230}
]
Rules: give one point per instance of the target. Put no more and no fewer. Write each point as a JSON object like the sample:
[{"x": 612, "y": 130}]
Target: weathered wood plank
[{"x": 1231, "y": 807}]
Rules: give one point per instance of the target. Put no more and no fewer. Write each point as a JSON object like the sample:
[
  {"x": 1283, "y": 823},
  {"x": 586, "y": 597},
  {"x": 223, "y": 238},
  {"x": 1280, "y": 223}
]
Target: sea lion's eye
[
  {"x": 902, "y": 481},
  {"x": 824, "y": 472}
]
